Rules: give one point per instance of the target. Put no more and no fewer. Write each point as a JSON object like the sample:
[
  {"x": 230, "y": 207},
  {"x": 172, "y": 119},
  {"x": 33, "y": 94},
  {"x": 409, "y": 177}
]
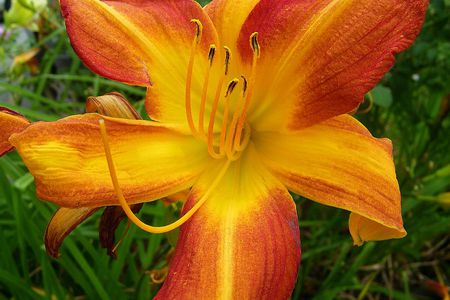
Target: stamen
[
  {"x": 231, "y": 87},
  {"x": 211, "y": 54},
  {"x": 227, "y": 59},
  {"x": 201, "y": 119},
  {"x": 212, "y": 116},
  {"x": 244, "y": 89},
  {"x": 229, "y": 144},
  {"x": 199, "y": 30},
  {"x": 223, "y": 131},
  {"x": 195, "y": 42},
  {"x": 126, "y": 208},
  {"x": 236, "y": 154},
  {"x": 232, "y": 131},
  {"x": 254, "y": 44}
]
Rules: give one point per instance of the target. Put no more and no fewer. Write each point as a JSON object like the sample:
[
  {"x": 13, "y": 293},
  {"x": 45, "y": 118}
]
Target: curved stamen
[
  {"x": 212, "y": 117},
  {"x": 254, "y": 44},
  {"x": 226, "y": 111},
  {"x": 126, "y": 208},
  {"x": 201, "y": 119},
  {"x": 230, "y": 151},
  {"x": 236, "y": 154},
  {"x": 195, "y": 42},
  {"x": 223, "y": 131}
]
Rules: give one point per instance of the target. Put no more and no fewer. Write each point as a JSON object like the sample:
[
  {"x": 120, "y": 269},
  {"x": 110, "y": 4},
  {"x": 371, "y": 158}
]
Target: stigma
[{"x": 235, "y": 132}]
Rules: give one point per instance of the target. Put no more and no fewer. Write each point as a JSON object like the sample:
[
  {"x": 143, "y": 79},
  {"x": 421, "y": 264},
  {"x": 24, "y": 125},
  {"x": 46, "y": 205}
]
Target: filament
[
  {"x": 235, "y": 133},
  {"x": 212, "y": 117},
  {"x": 256, "y": 54},
  {"x": 201, "y": 118},
  {"x": 195, "y": 42},
  {"x": 126, "y": 208},
  {"x": 223, "y": 132},
  {"x": 229, "y": 144}
]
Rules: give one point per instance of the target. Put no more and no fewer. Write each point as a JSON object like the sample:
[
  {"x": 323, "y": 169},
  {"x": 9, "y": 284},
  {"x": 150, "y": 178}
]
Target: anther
[
  {"x": 231, "y": 86},
  {"x": 211, "y": 54},
  {"x": 227, "y": 59},
  {"x": 254, "y": 44},
  {"x": 199, "y": 29},
  {"x": 244, "y": 88}
]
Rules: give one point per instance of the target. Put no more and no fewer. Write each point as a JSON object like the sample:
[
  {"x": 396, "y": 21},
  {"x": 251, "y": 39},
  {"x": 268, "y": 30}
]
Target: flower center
[
  {"x": 235, "y": 132},
  {"x": 232, "y": 139}
]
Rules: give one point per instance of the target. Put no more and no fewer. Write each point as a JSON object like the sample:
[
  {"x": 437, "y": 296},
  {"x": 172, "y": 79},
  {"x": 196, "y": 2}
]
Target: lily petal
[
  {"x": 243, "y": 243},
  {"x": 62, "y": 223},
  {"x": 144, "y": 43},
  {"x": 117, "y": 106},
  {"x": 339, "y": 163},
  {"x": 10, "y": 122},
  {"x": 68, "y": 162},
  {"x": 228, "y": 17},
  {"x": 321, "y": 57},
  {"x": 363, "y": 229},
  {"x": 130, "y": 40}
]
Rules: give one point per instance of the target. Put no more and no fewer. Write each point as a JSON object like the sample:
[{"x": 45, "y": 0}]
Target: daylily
[{"x": 249, "y": 99}]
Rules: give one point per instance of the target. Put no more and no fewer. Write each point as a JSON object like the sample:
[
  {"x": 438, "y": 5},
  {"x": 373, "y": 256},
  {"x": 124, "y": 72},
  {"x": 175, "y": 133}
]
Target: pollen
[{"x": 235, "y": 132}]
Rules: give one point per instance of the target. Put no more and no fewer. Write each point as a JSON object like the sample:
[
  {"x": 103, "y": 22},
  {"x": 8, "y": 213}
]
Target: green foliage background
[{"x": 411, "y": 106}]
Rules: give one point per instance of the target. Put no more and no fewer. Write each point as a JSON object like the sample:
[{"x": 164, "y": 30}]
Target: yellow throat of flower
[{"x": 235, "y": 135}]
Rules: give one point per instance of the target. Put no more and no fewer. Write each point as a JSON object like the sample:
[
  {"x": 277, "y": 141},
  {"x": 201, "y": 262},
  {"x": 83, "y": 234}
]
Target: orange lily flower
[{"x": 249, "y": 99}]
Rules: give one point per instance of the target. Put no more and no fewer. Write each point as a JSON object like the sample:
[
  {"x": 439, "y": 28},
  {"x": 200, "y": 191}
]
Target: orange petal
[
  {"x": 112, "y": 105},
  {"x": 363, "y": 229},
  {"x": 117, "y": 106},
  {"x": 68, "y": 162},
  {"x": 137, "y": 42},
  {"x": 10, "y": 123},
  {"x": 228, "y": 17},
  {"x": 144, "y": 43},
  {"x": 321, "y": 57},
  {"x": 339, "y": 163},
  {"x": 62, "y": 223},
  {"x": 243, "y": 243}
]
